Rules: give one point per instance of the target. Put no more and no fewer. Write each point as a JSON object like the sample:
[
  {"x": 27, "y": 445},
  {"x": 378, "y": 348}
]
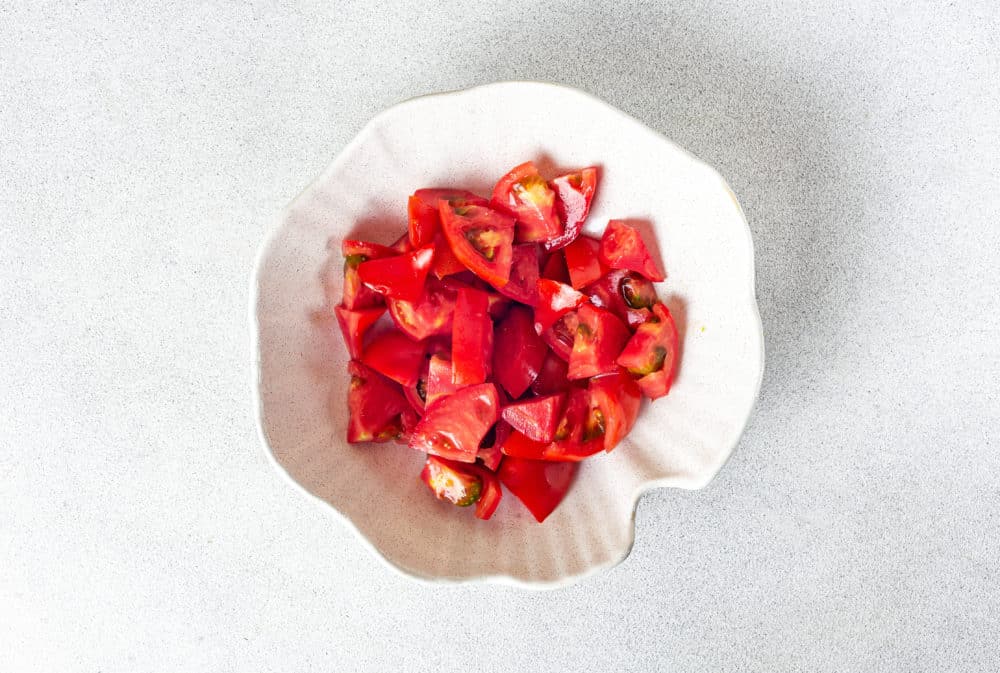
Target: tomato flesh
[
  {"x": 622, "y": 247},
  {"x": 463, "y": 484},
  {"x": 616, "y": 398},
  {"x": 395, "y": 355},
  {"x": 518, "y": 351},
  {"x": 540, "y": 485},
  {"x": 522, "y": 284},
  {"x": 562, "y": 334},
  {"x": 400, "y": 277},
  {"x": 555, "y": 267},
  {"x": 489, "y": 449},
  {"x": 424, "y": 218},
  {"x": 551, "y": 377},
  {"x": 600, "y": 338},
  {"x": 374, "y": 406},
  {"x": 431, "y": 314},
  {"x": 526, "y": 195},
  {"x": 625, "y": 293},
  {"x": 472, "y": 338},
  {"x": 580, "y": 432},
  {"x": 354, "y": 324},
  {"x": 555, "y": 300},
  {"x": 582, "y": 261},
  {"x": 439, "y": 379},
  {"x": 574, "y": 193},
  {"x": 453, "y": 426},
  {"x": 481, "y": 238},
  {"x": 356, "y": 294},
  {"x": 651, "y": 354},
  {"x": 536, "y": 418}
]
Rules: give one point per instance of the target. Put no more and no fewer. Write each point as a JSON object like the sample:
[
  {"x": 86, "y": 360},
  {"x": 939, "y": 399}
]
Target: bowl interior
[{"x": 468, "y": 139}]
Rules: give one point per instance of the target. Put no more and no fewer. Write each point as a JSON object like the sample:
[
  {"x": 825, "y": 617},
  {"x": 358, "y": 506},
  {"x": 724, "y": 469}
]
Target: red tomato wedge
[
  {"x": 524, "y": 194},
  {"x": 374, "y": 404},
  {"x": 402, "y": 244},
  {"x": 356, "y": 294},
  {"x": 539, "y": 484},
  {"x": 518, "y": 352},
  {"x": 623, "y": 248},
  {"x": 555, "y": 267},
  {"x": 445, "y": 262},
  {"x": 472, "y": 338},
  {"x": 554, "y": 301},
  {"x": 481, "y": 239},
  {"x": 574, "y": 193},
  {"x": 580, "y": 432},
  {"x": 600, "y": 338},
  {"x": 519, "y": 445},
  {"x": 522, "y": 284},
  {"x": 614, "y": 401},
  {"x": 562, "y": 334},
  {"x": 439, "y": 379},
  {"x": 462, "y": 484},
  {"x": 453, "y": 426},
  {"x": 489, "y": 449},
  {"x": 400, "y": 277},
  {"x": 582, "y": 261},
  {"x": 552, "y": 376},
  {"x": 625, "y": 293},
  {"x": 350, "y": 247},
  {"x": 651, "y": 353},
  {"x": 425, "y": 220},
  {"x": 429, "y": 315},
  {"x": 395, "y": 355},
  {"x": 354, "y": 324},
  {"x": 536, "y": 418}
]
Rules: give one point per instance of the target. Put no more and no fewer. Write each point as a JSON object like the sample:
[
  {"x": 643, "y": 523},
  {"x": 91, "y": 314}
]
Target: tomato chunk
[
  {"x": 522, "y": 284},
  {"x": 614, "y": 399},
  {"x": 554, "y": 301},
  {"x": 552, "y": 376},
  {"x": 481, "y": 239},
  {"x": 519, "y": 445},
  {"x": 445, "y": 262},
  {"x": 453, "y": 426},
  {"x": 623, "y": 248},
  {"x": 395, "y": 355},
  {"x": 580, "y": 432},
  {"x": 429, "y": 315},
  {"x": 374, "y": 405},
  {"x": 524, "y": 194},
  {"x": 562, "y": 334},
  {"x": 574, "y": 192},
  {"x": 463, "y": 484},
  {"x": 518, "y": 351},
  {"x": 651, "y": 353},
  {"x": 489, "y": 449},
  {"x": 539, "y": 484},
  {"x": 354, "y": 324},
  {"x": 536, "y": 418},
  {"x": 439, "y": 378},
  {"x": 625, "y": 293},
  {"x": 425, "y": 220},
  {"x": 582, "y": 261},
  {"x": 600, "y": 338},
  {"x": 555, "y": 267},
  {"x": 472, "y": 338},
  {"x": 400, "y": 277},
  {"x": 356, "y": 294}
]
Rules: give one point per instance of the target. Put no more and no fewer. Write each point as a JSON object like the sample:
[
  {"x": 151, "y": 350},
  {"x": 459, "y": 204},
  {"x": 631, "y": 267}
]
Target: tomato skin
[
  {"x": 551, "y": 377},
  {"x": 491, "y": 455},
  {"x": 472, "y": 338},
  {"x": 445, "y": 262},
  {"x": 555, "y": 300},
  {"x": 582, "y": 261},
  {"x": 439, "y": 379},
  {"x": 600, "y": 338},
  {"x": 616, "y": 397},
  {"x": 399, "y": 277},
  {"x": 622, "y": 247},
  {"x": 431, "y": 314},
  {"x": 562, "y": 334},
  {"x": 374, "y": 404},
  {"x": 395, "y": 355},
  {"x": 519, "y": 445},
  {"x": 462, "y": 484},
  {"x": 453, "y": 426},
  {"x": 536, "y": 418},
  {"x": 574, "y": 193},
  {"x": 350, "y": 247},
  {"x": 540, "y": 485},
  {"x": 523, "y": 193},
  {"x": 555, "y": 267},
  {"x": 354, "y": 324},
  {"x": 579, "y": 433},
  {"x": 625, "y": 293},
  {"x": 522, "y": 284},
  {"x": 481, "y": 238},
  {"x": 422, "y": 208},
  {"x": 518, "y": 352},
  {"x": 652, "y": 353},
  {"x": 357, "y": 295}
]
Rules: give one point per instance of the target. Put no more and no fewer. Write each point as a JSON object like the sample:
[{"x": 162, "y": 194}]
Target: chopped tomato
[
  {"x": 402, "y": 244},
  {"x": 574, "y": 192},
  {"x": 430, "y": 314},
  {"x": 552, "y": 376},
  {"x": 600, "y": 338},
  {"x": 521, "y": 285},
  {"x": 562, "y": 334},
  {"x": 539, "y": 484},
  {"x": 580, "y": 432},
  {"x": 453, "y": 426},
  {"x": 445, "y": 262},
  {"x": 519, "y": 445},
  {"x": 524, "y": 194},
  {"x": 354, "y": 324},
  {"x": 356, "y": 294},
  {"x": 651, "y": 353},
  {"x": 400, "y": 277},
  {"x": 439, "y": 378},
  {"x": 536, "y": 418},
  {"x": 374, "y": 404},
  {"x": 518, "y": 351},
  {"x": 463, "y": 484},
  {"x": 425, "y": 220},
  {"x": 554, "y": 301},
  {"x": 472, "y": 338},
  {"x": 614, "y": 399},
  {"x": 395, "y": 355},
  {"x": 623, "y": 248},
  {"x": 625, "y": 293},
  {"x": 555, "y": 267},
  {"x": 582, "y": 261},
  {"x": 481, "y": 239},
  {"x": 353, "y": 248},
  {"x": 489, "y": 449}
]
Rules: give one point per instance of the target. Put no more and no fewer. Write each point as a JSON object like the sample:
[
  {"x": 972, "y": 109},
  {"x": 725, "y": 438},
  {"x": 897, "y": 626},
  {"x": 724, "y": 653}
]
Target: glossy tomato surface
[
  {"x": 454, "y": 425},
  {"x": 540, "y": 485},
  {"x": 524, "y": 194},
  {"x": 574, "y": 193},
  {"x": 481, "y": 238}
]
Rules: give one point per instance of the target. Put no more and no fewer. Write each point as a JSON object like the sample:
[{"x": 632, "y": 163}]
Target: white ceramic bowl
[{"x": 468, "y": 139}]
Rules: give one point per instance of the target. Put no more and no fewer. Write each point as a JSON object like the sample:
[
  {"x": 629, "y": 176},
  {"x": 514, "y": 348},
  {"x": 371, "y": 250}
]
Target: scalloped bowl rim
[{"x": 500, "y": 578}]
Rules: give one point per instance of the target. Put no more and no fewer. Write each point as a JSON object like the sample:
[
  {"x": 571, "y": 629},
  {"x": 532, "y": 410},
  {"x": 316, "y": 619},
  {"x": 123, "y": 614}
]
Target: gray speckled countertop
[{"x": 143, "y": 154}]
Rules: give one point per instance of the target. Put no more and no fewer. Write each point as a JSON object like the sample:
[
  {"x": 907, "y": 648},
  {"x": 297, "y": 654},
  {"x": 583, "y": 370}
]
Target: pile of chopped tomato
[{"x": 501, "y": 342}]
